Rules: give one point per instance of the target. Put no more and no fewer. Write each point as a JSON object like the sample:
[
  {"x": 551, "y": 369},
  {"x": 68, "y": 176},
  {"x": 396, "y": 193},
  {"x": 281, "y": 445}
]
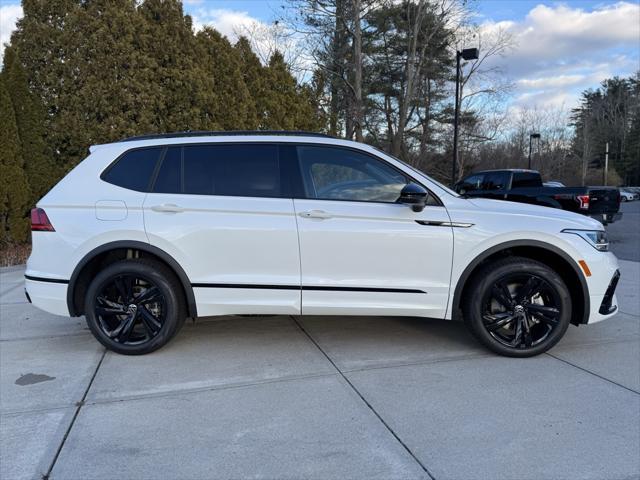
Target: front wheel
[
  {"x": 134, "y": 306},
  {"x": 517, "y": 307}
]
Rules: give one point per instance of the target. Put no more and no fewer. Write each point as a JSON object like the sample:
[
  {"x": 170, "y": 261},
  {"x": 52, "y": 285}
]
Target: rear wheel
[
  {"x": 135, "y": 306},
  {"x": 517, "y": 307}
]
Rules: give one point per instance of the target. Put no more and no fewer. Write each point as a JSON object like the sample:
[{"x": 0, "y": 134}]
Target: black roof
[{"x": 205, "y": 133}]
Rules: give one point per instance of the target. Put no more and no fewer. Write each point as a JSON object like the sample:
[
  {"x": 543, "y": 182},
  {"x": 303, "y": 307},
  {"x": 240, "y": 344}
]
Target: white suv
[{"x": 150, "y": 230}]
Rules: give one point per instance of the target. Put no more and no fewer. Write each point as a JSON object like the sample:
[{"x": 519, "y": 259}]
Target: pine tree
[
  {"x": 287, "y": 107},
  {"x": 233, "y": 108},
  {"x": 107, "y": 69},
  {"x": 30, "y": 117},
  {"x": 253, "y": 77},
  {"x": 182, "y": 91},
  {"x": 44, "y": 41},
  {"x": 14, "y": 190},
  {"x": 106, "y": 93}
]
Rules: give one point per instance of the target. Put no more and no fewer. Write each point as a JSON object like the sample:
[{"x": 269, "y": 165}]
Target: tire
[
  {"x": 126, "y": 321},
  {"x": 623, "y": 199},
  {"x": 517, "y": 307}
]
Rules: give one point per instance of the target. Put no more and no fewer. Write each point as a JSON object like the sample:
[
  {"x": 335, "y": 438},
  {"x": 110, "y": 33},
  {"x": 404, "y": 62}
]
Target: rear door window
[
  {"x": 134, "y": 169},
  {"x": 243, "y": 170},
  {"x": 495, "y": 181}
]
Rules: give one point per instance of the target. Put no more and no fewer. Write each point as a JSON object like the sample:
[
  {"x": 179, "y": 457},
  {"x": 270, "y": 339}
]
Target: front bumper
[{"x": 606, "y": 305}]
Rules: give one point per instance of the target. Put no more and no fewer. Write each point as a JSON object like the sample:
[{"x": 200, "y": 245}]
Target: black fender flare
[
  {"x": 457, "y": 295},
  {"x": 134, "y": 245}
]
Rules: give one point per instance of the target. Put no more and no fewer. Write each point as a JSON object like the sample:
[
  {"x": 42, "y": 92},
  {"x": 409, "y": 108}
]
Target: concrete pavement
[{"x": 316, "y": 397}]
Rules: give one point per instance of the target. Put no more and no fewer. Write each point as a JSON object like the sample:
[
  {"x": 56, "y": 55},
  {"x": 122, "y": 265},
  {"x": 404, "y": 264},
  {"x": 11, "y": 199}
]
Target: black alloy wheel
[
  {"x": 135, "y": 306},
  {"x": 130, "y": 309},
  {"x": 521, "y": 310},
  {"x": 517, "y": 307}
]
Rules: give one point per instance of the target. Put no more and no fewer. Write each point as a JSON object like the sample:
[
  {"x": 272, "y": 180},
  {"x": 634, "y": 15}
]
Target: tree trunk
[
  {"x": 357, "y": 71},
  {"x": 336, "y": 87},
  {"x": 411, "y": 68}
]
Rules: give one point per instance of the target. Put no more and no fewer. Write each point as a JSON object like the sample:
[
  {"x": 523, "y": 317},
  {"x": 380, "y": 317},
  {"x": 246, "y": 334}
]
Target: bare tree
[
  {"x": 483, "y": 89},
  {"x": 332, "y": 35},
  {"x": 267, "y": 39}
]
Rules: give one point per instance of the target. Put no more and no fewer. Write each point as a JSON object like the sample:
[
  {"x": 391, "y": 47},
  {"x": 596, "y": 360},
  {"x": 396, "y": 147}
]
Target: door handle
[
  {"x": 321, "y": 214},
  {"x": 168, "y": 208}
]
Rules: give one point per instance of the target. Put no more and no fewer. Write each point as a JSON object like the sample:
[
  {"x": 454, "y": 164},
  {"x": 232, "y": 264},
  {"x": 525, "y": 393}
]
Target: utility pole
[
  {"x": 456, "y": 114},
  {"x": 466, "y": 54},
  {"x": 531, "y": 137},
  {"x": 606, "y": 163},
  {"x": 585, "y": 147}
]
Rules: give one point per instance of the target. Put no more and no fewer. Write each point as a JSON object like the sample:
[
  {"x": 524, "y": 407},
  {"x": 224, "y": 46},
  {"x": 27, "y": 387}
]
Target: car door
[
  {"x": 361, "y": 252},
  {"x": 527, "y": 187},
  {"x": 223, "y": 211}
]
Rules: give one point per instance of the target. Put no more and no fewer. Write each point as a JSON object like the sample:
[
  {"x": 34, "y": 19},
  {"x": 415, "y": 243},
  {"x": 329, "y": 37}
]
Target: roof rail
[{"x": 205, "y": 133}]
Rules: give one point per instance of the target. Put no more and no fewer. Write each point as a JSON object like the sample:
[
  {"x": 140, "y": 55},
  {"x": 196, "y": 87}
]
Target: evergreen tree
[
  {"x": 609, "y": 114},
  {"x": 107, "y": 69},
  {"x": 233, "y": 108},
  {"x": 182, "y": 92},
  {"x": 108, "y": 92},
  {"x": 253, "y": 77},
  {"x": 14, "y": 190},
  {"x": 30, "y": 118},
  {"x": 287, "y": 107},
  {"x": 45, "y": 41}
]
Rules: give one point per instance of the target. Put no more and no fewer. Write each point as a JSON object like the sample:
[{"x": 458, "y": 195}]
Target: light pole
[
  {"x": 466, "y": 54},
  {"x": 531, "y": 137}
]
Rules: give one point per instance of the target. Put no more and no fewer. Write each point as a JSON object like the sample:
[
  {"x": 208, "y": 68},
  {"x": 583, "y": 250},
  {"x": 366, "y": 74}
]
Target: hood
[{"x": 571, "y": 219}]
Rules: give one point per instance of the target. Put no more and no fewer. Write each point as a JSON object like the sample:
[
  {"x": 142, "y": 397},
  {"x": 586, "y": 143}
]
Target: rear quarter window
[{"x": 133, "y": 170}]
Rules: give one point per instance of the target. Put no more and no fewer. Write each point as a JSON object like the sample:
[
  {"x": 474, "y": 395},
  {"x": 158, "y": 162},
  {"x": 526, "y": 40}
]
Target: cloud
[
  {"x": 265, "y": 37},
  {"x": 231, "y": 23},
  {"x": 559, "y": 81},
  {"x": 9, "y": 15},
  {"x": 562, "y": 50}
]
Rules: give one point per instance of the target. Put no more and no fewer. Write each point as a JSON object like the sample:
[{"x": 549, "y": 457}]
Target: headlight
[{"x": 598, "y": 239}]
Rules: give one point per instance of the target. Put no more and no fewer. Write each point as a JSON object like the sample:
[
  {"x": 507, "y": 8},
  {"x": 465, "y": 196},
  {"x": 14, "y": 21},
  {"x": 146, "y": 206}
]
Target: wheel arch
[
  {"x": 551, "y": 255},
  {"x": 104, "y": 254}
]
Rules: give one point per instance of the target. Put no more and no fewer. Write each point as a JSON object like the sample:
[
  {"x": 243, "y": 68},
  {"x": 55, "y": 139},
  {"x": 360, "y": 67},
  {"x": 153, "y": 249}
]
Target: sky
[{"x": 560, "y": 48}]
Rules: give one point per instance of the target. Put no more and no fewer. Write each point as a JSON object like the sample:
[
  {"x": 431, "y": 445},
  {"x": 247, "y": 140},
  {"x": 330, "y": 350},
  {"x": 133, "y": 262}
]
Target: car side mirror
[{"x": 414, "y": 196}]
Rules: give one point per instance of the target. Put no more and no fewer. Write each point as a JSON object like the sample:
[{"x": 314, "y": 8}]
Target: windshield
[{"x": 419, "y": 172}]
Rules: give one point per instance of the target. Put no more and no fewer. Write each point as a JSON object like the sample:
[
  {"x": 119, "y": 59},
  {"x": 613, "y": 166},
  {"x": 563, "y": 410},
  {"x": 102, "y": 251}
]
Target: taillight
[
  {"x": 40, "y": 222},
  {"x": 584, "y": 201}
]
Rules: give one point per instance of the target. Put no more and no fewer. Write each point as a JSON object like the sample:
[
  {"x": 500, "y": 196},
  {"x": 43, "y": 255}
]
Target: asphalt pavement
[{"x": 625, "y": 234}]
